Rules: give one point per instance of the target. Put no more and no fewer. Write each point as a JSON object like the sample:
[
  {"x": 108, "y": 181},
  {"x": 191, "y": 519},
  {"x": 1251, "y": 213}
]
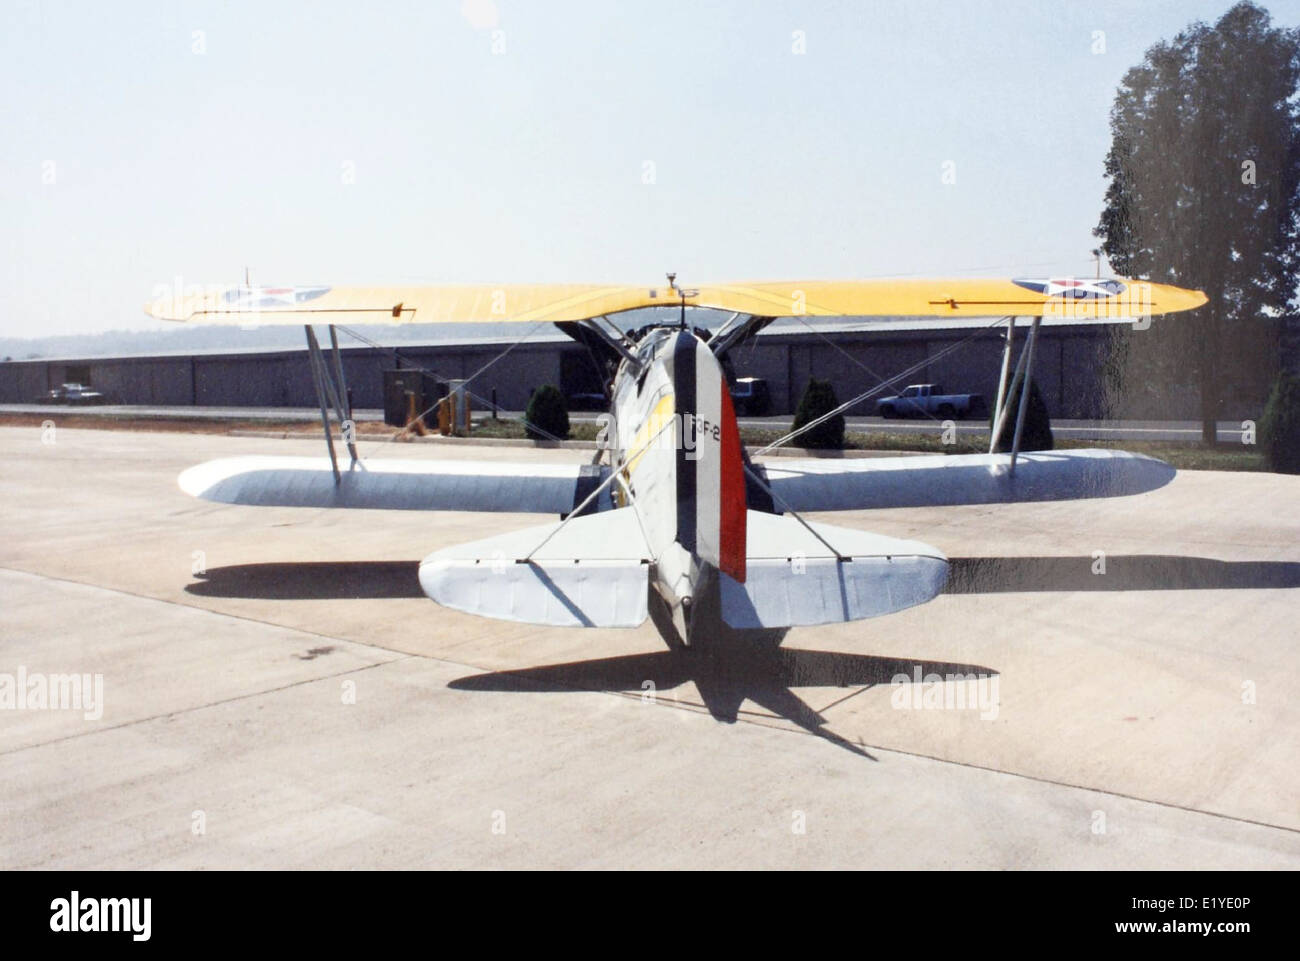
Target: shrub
[
  {"x": 1279, "y": 428},
  {"x": 818, "y": 399},
  {"x": 1037, "y": 431},
  {"x": 547, "y": 416}
]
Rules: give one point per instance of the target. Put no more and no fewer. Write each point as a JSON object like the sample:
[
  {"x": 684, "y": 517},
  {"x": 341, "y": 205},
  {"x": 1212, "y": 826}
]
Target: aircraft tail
[
  {"x": 710, "y": 467},
  {"x": 798, "y": 578},
  {"x": 591, "y": 571}
]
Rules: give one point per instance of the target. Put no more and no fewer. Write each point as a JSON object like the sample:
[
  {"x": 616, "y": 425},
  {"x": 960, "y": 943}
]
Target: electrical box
[{"x": 401, "y": 387}]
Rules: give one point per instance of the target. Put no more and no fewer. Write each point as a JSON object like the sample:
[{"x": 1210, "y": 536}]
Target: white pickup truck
[{"x": 918, "y": 400}]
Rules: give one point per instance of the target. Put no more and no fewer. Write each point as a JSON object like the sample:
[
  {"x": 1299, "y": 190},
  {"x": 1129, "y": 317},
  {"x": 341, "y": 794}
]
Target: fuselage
[{"x": 674, "y": 444}]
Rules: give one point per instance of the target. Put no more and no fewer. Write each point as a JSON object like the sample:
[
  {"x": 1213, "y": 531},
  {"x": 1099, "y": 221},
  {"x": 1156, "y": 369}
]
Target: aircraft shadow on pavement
[
  {"x": 323, "y": 580},
  {"x": 311, "y": 580},
  {"x": 728, "y": 668},
  {"x": 734, "y": 666},
  {"x": 731, "y": 667},
  {"x": 1123, "y": 572}
]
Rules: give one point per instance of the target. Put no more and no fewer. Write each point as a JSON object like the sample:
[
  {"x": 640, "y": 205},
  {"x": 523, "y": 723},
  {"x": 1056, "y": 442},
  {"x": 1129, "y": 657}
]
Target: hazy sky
[{"x": 346, "y": 142}]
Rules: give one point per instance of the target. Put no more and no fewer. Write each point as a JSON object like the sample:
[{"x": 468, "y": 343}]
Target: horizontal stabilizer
[
  {"x": 422, "y": 485},
  {"x": 591, "y": 571},
  {"x": 941, "y": 480},
  {"x": 794, "y": 578}
]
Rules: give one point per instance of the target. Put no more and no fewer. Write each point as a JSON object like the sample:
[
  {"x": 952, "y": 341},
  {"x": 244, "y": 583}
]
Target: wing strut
[
  {"x": 615, "y": 342},
  {"x": 331, "y": 389},
  {"x": 1010, "y": 338},
  {"x": 1024, "y": 391},
  {"x": 1025, "y": 364},
  {"x": 732, "y": 332}
]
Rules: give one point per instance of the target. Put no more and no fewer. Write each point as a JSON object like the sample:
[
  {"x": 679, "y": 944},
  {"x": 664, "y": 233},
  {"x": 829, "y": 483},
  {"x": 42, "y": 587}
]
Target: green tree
[
  {"x": 547, "y": 416},
  {"x": 1279, "y": 428},
  {"x": 1204, "y": 168},
  {"x": 818, "y": 399}
]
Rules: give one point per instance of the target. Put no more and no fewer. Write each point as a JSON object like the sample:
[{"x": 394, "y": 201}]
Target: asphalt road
[
  {"x": 1172, "y": 430},
  {"x": 145, "y": 412},
  {"x": 1076, "y": 429}
]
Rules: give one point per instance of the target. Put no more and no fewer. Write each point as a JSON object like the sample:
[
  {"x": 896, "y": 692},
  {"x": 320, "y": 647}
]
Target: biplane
[{"x": 674, "y": 506}]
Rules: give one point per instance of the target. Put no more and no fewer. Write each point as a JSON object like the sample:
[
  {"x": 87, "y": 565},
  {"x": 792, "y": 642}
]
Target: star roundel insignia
[
  {"x": 261, "y": 297},
  {"x": 1072, "y": 288}
]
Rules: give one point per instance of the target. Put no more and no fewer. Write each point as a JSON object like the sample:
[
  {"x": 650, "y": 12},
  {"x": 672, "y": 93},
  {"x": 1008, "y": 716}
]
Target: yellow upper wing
[
  {"x": 394, "y": 305},
  {"x": 1061, "y": 297},
  {"x": 953, "y": 297}
]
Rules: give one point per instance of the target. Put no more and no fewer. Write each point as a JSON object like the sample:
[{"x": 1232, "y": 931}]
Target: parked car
[
  {"x": 750, "y": 397},
  {"x": 918, "y": 400},
  {"x": 74, "y": 394}
]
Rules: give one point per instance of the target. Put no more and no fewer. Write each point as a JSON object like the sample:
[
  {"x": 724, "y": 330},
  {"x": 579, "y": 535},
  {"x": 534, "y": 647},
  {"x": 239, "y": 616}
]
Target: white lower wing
[
  {"x": 421, "y": 485},
  {"x": 945, "y": 480}
]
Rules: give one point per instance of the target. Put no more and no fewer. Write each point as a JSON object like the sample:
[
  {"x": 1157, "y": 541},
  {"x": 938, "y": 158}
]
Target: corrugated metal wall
[{"x": 1069, "y": 370}]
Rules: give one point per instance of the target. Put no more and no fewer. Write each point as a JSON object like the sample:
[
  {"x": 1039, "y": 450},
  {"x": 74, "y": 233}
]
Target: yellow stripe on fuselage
[{"x": 648, "y": 434}]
